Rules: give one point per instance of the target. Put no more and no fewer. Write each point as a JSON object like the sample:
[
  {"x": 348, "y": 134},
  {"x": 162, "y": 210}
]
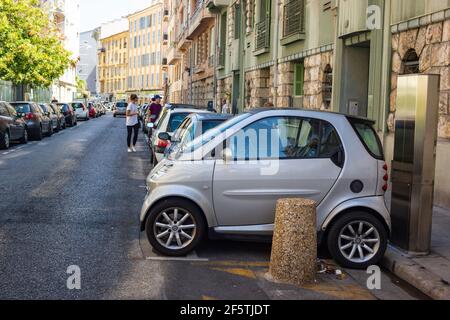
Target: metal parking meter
[{"x": 413, "y": 166}]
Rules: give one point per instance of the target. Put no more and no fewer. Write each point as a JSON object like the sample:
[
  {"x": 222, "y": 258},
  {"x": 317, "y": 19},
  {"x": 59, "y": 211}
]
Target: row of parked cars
[
  {"x": 221, "y": 176},
  {"x": 24, "y": 120}
]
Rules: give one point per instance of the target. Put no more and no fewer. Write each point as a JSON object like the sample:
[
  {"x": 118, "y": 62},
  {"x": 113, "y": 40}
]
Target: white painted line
[{"x": 193, "y": 257}]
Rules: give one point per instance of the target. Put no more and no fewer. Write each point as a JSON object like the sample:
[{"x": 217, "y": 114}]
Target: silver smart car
[{"x": 227, "y": 182}]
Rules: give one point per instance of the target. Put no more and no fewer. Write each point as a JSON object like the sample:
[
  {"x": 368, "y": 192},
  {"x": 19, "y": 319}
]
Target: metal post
[{"x": 413, "y": 167}]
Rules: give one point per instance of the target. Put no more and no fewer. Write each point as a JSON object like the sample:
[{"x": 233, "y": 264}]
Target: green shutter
[{"x": 299, "y": 74}]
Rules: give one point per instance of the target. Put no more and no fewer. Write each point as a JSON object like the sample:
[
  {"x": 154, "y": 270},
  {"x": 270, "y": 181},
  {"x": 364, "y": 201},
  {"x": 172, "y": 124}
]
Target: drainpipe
[
  {"x": 275, "y": 49},
  {"x": 216, "y": 59}
]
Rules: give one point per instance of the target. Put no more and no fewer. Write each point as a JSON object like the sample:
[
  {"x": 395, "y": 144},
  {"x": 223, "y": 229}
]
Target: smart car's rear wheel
[
  {"x": 357, "y": 240},
  {"x": 175, "y": 227}
]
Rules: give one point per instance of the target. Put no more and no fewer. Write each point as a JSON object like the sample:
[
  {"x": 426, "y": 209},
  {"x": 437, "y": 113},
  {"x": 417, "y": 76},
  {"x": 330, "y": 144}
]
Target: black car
[
  {"x": 48, "y": 111},
  {"x": 38, "y": 123},
  {"x": 12, "y": 126},
  {"x": 69, "y": 114},
  {"x": 59, "y": 116}
]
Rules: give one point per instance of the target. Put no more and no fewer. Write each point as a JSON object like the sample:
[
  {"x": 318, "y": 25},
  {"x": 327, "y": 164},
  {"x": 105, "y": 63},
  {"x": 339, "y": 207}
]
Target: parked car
[
  {"x": 61, "y": 119},
  {"x": 195, "y": 125},
  {"x": 120, "y": 109},
  {"x": 48, "y": 111},
  {"x": 333, "y": 159},
  {"x": 92, "y": 111},
  {"x": 69, "y": 114},
  {"x": 37, "y": 122},
  {"x": 81, "y": 111},
  {"x": 168, "y": 122},
  {"x": 165, "y": 109},
  {"x": 12, "y": 126}
]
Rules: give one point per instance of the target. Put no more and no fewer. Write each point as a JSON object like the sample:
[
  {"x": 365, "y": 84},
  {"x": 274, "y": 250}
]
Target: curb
[{"x": 415, "y": 274}]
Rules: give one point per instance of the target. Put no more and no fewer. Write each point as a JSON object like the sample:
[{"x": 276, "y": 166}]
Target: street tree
[{"x": 31, "y": 52}]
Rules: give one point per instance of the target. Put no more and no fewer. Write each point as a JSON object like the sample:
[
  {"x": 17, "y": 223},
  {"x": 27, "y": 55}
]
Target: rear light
[
  {"x": 385, "y": 178},
  {"x": 29, "y": 116},
  {"x": 162, "y": 143}
]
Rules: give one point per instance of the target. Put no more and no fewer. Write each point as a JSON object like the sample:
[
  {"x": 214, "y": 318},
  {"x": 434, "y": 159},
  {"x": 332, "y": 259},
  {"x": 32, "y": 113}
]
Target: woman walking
[{"x": 132, "y": 122}]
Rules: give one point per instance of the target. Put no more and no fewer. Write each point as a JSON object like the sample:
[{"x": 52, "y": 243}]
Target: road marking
[{"x": 246, "y": 273}]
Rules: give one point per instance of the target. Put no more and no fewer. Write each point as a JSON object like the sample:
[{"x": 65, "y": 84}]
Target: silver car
[
  {"x": 225, "y": 184},
  {"x": 120, "y": 109}
]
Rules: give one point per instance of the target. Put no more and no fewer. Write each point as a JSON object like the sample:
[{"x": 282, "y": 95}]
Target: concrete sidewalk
[{"x": 430, "y": 274}]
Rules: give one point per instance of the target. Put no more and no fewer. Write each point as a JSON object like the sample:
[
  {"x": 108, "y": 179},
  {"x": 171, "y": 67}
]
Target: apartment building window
[
  {"x": 154, "y": 36},
  {"x": 223, "y": 39},
  {"x": 148, "y": 39},
  {"x": 135, "y": 42},
  {"x": 263, "y": 26},
  {"x": 237, "y": 22},
  {"x": 142, "y": 23},
  {"x": 294, "y": 19},
  {"x": 299, "y": 76},
  {"x": 152, "y": 80}
]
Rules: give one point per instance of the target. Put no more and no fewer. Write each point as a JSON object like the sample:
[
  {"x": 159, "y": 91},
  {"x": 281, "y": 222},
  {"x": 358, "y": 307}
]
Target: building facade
[
  {"x": 113, "y": 62},
  {"x": 88, "y": 64},
  {"x": 148, "y": 38},
  {"x": 66, "y": 15}
]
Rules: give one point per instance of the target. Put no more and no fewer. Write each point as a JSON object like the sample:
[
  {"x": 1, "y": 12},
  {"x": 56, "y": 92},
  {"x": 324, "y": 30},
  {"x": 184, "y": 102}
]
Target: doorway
[{"x": 355, "y": 87}]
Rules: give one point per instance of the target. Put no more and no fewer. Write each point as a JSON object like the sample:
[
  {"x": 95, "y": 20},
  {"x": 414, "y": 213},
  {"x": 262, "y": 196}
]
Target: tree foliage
[{"x": 30, "y": 50}]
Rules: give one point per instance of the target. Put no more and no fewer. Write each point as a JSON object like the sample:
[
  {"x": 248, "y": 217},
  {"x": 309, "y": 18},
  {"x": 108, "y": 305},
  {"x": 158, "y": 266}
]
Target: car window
[
  {"x": 44, "y": 108},
  {"x": 22, "y": 107},
  {"x": 366, "y": 133},
  {"x": 77, "y": 105},
  {"x": 330, "y": 142},
  {"x": 175, "y": 120},
  {"x": 179, "y": 133},
  {"x": 284, "y": 138},
  {"x": 121, "y": 104}
]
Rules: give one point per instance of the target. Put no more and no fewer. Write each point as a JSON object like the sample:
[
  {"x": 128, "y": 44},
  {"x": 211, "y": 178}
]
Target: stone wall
[
  {"x": 285, "y": 89},
  {"x": 315, "y": 67},
  {"x": 258, "y": 88},
  {"x": 203, "y": 91},
  {"x": 224, "y": 91},
  {"x": 432, "y": 45}
]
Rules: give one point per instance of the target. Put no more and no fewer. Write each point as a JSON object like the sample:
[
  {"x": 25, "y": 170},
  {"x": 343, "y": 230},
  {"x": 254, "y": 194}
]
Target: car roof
[
  {"x": 212, "y": 116},
  {"x": 24, "y": 102},
  {"x": 174, "y": 111},
  {"x": 310, "y": 111}
]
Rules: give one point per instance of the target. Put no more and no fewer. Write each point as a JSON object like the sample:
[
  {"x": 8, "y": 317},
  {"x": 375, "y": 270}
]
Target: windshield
[
  {"x": 175, "y": 121},
  {"x": 211, "y": 134},
  {"x": 21, "y": 107}
]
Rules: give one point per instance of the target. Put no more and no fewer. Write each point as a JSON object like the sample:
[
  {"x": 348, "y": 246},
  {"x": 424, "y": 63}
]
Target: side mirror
[
  {"x": 150, "y": 125},
  {"x": 164, "y": 136},
  {"x": 227, "y": 155}
]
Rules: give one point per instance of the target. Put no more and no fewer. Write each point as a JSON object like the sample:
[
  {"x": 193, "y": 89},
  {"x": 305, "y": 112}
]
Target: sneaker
[
  {"x": 129, "y": 150},
  {"x": 133, "y": 149}
]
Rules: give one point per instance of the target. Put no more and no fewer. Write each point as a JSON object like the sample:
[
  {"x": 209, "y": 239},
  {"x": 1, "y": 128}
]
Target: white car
[
  {"x": 168, "y": 123},
  {"x": 81, "y": 111}
]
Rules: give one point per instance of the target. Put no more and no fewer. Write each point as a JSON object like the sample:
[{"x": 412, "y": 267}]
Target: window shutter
[{"x": 299, "y": 74}]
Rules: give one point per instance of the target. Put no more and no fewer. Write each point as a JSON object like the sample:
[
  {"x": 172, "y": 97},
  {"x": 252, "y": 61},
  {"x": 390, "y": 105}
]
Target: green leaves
[{"x": 30, "y": 50}]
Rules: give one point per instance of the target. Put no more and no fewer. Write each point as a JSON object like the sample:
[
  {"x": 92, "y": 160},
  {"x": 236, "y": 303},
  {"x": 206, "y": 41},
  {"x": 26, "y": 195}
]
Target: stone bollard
[{"x": 294, "y": 247}]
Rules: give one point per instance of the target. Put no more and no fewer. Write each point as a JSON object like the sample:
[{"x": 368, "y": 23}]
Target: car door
[
  {"x": 17, "y": 124},
  {"x": 6, "y": 118},
  {"x": 42, "y": 117},
  {"x": 274, "y": 158}
]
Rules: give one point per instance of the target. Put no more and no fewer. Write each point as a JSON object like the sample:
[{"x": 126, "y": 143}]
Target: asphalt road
[{"x": 75, "y": 198}]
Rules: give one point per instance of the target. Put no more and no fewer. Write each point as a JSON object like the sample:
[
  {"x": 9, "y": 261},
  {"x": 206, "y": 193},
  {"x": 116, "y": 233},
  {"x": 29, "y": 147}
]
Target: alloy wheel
[
  {"x": 6, "y": 140},
  {"x": 359, "y": 241},
  {"x": 175, "y": 228}
]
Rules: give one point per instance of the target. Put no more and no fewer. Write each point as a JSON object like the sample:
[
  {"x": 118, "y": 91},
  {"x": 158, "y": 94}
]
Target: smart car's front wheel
[
  {"x": 175, "y": 227},
  {"x": 357, "y": 240}
]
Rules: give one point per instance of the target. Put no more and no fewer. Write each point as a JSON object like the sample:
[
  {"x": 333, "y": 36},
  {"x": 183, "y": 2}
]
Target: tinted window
[
  {"x": 369, "y": 137},
  {"x": 63, "y": 107},
  {"x": 44, "y": 108},
  {"x": 77, "y": 105},
  {"x": 330, "y": 143},
  {"x": 208, "y": 125},
  {"x": 175, "y": 120},
  {"x": 22, "y": 107}
]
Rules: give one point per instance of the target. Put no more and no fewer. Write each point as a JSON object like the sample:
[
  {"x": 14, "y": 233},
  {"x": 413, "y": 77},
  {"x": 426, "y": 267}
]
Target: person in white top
[
  {"x": 132, "y": 122},
  {"x": 225, "y": 107}
]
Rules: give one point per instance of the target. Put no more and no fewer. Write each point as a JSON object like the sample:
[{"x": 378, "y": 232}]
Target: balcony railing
[
  {"x": 198, "y": 7},
  {"x": 294, "y": 17},
  {"x": 262, "y": 34}
]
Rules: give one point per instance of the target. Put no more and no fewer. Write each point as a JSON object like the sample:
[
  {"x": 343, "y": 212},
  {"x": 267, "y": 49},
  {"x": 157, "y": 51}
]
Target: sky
[{"x": 95, "y": 12}]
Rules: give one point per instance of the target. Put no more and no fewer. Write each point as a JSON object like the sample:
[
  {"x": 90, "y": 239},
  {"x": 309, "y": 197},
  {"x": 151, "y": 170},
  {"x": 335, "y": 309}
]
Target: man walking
[
  {"x": 132, "y": 122},
  {"x": 225, "y": 107},
  {"x": 155, "y": 109}
]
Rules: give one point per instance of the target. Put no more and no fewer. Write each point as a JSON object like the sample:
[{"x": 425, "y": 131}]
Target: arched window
[
  {"x": 411, "y": 62},
  {"x": 327, "y": 86}
]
